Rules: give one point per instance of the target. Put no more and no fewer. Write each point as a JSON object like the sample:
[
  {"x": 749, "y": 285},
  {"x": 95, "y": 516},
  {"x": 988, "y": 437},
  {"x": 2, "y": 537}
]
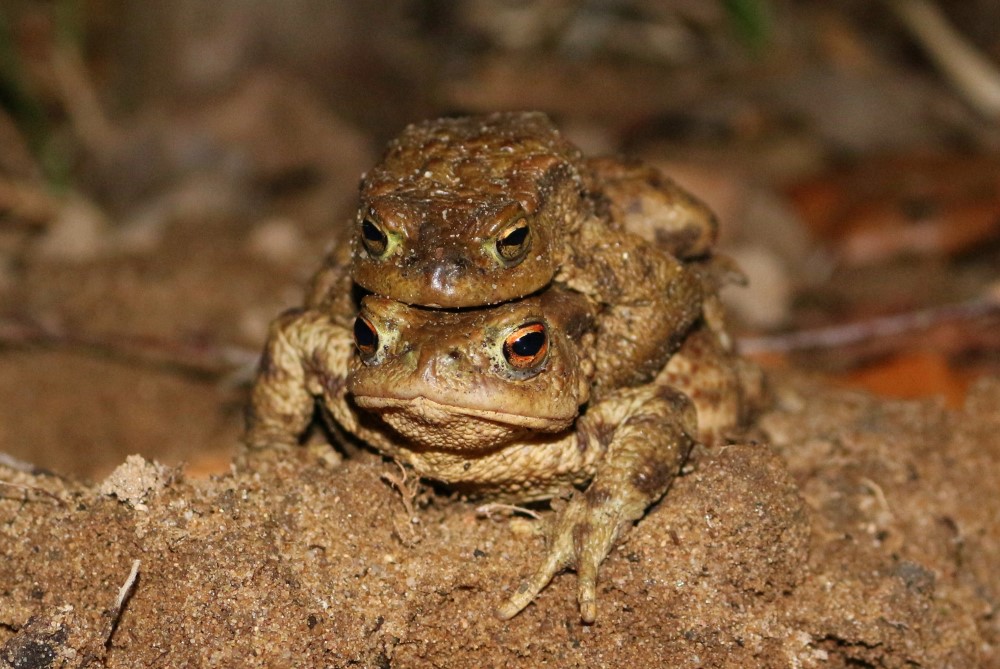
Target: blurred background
[{"x": 172, "y": 172}]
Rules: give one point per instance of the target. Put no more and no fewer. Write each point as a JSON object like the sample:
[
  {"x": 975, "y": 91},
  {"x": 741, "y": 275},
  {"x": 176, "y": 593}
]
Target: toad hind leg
[
  {"x": 649, "y": 300},
  {"x": 653, "y": 431}
]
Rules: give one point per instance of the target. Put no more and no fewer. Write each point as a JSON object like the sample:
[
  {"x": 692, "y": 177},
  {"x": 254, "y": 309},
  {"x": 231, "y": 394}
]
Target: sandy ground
[
  {"x": 191, "y": 205},
  {"x": 857, "y": 532}
]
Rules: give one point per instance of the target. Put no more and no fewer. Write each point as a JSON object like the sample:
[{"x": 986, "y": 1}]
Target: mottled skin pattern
[
  {"x": 498, "y": 223},
  {"x": 641, "y": 199},
  {"x": 446, "y": 188},
  {"x": 448, "y": 194},
  {"x": 436, "y": 393}
]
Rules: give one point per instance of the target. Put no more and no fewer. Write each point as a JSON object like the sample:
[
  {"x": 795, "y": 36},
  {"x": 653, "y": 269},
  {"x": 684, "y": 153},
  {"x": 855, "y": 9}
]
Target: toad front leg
[
  {"x": 652, "y": 429},
  {"x": 307, "y": 355}
]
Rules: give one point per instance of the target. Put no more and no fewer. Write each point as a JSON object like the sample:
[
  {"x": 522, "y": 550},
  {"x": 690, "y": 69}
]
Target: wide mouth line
[
  {"x": 471, "y": 308},
  {"x": 493, "y": 415}
]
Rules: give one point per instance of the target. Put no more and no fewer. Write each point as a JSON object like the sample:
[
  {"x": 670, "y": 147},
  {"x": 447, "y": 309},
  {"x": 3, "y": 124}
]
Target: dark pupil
[
  {"x": 375, "y": 239},
  {"x": 528, "y": 344},
  {"x": 509, "y": 244},
  {"x": 364, "y": 336}
]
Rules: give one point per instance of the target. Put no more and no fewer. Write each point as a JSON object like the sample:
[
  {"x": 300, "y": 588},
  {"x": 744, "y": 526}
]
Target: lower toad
[{"x": 509, "y": 401}]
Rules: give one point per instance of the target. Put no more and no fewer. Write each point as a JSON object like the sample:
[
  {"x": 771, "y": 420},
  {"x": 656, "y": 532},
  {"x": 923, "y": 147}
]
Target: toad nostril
[
  {"x": 443, "y": 277},
  {"x": 441, "y": 364},
  {"x": 445, "y": 271}
]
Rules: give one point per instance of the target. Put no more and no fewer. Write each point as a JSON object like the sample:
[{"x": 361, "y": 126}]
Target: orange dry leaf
[
  {"x": 918, "y": 204},
  {"x": 911, "y": 375}
]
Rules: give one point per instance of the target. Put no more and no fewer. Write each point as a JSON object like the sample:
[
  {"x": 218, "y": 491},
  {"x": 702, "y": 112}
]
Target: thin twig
[
  {"x": 488, "y": 509},
  {"x": 126, "y": 588},
  {"x": 32, "y": 488},
  {"x": 204, "y": 359},
  {"x": 406, "y": 493},
  {"x": 838, "y": 336},
  {"x": 123, "y": 595},
  {"x": 10, "y": 462},
  {"x": 82, "y": 101},
  {"x": 879, "y": 495},
  {"x": 26, "y": 204},
  {"x": 972, "y": 74}
]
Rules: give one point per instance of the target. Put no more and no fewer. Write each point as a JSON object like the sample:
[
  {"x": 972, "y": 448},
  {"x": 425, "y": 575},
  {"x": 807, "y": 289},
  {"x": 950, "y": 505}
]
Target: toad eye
[
  {"x": 525, "y": 347},
  {"x": 374, "y": 238},
  {"x": 365, "y": 337},
  {"x": 513, "y": 242}
]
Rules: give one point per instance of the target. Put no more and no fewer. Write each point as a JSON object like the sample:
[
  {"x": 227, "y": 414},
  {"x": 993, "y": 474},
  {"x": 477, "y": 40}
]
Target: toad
[
  {"x": 472, "y": 211},
  {"x": 505, "y": 401},
  {"x": 478, "y": 210}
]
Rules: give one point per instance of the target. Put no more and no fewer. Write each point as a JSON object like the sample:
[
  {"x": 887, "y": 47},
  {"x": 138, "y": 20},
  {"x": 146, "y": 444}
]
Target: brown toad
[
  {"x": 477, "y": 210},
  {"x": 464, "y": 212},
  {"x": 500, "y": 400}
]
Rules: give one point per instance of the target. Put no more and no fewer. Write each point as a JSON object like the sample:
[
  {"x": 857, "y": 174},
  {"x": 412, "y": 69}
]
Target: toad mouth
[{"x": 437, "y": 412}]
